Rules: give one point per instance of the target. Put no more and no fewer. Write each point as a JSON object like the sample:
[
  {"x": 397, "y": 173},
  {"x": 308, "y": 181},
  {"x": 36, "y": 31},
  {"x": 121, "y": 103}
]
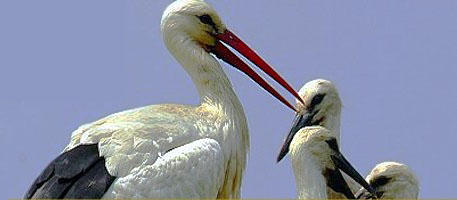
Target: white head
[
  {"x": 393, "y": 180},
  {"x": 314, "y": 144},
  {"x": 192, "y": 31},
  {"x": 193, "y": 22},
  {"x": 322, "y": 106},
  {"x": 317, "y": 162},
  {"x": 319, "y": 87}
]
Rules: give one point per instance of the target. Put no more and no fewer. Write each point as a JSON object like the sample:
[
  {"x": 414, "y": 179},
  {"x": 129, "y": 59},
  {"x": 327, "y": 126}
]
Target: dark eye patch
[
  {"x": 380, "y": 181},
  {"x": 317, "y": 99}
]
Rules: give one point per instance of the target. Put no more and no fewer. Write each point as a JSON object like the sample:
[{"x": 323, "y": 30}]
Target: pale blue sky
[{"x": 66, "y": 63}]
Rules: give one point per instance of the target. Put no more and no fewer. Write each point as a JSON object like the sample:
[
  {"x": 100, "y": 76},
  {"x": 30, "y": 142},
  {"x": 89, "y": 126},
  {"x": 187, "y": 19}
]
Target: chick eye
[
  {"x": 380, "y": 181},
  {"x": 317, "y": 99},
  {"x": 206, "y": 19}
]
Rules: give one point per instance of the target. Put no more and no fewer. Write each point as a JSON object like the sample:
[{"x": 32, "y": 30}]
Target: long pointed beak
[
  {"x": 222, "y": 52},
  {"x": 300, "y": 121},
  {"x": 341, "y": 163},
  {"x": 336, "y": 182}
]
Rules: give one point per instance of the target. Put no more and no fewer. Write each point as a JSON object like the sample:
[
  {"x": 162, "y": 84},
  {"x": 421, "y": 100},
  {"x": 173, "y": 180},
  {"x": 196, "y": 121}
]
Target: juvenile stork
[
  {"x": 322, "y": 106},
  {"x": 391, "y": 180},
  {"x": 168, "y": 151},
  {"x": 317, "y": 161}
]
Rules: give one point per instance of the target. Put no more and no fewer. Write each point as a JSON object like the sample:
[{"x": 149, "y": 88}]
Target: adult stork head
[
  {"x": 316, "y": 157},
  {"x": 392, "y": 180},
  {"x": 192, "y": 31},
  {"x": 322, "y": 106}
]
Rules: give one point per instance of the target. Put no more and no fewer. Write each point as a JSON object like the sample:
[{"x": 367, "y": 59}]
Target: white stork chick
[
  {"x": 168, "y": 151},
  {"x": 391, "y": 180},
  {"x": 317, "y": 161},
  {"x": 322, "y": 106}
]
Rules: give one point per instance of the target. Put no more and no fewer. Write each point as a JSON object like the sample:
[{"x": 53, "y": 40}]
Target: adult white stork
[
  {"x": 168, "y": 151},
  {"x": 391, "y": 180},
  {"x": 317, "y": 161}
]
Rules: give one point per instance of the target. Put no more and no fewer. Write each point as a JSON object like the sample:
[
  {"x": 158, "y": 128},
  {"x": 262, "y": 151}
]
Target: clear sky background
[{"x": 66, "y": 63}]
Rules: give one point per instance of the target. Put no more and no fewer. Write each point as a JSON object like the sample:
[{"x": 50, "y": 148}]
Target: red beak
[{"x": 222, "y": 52}]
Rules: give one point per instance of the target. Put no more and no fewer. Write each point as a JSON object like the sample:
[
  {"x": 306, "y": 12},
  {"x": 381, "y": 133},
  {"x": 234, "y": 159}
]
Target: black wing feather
[
  {"x": 75, "y": 161},
  {"x": 92, "y": 184},
  {"x": 43, "y": 177},
  {"x": 77, "y": 173},
  {"x": 51, "y": 189}
]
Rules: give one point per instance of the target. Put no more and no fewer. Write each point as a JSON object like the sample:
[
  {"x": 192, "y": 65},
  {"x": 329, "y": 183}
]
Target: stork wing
[
  {"x": 194, "y": 170},
  {"x": 77, "y": 173},
  {"x": 150, "y": 152}
]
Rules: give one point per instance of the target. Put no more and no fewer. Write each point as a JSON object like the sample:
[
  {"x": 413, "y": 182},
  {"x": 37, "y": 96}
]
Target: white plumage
[
  {"x": 320, "y": 114},
  {"x": 322, "y": 106},
  {"x": 317, "y": 162},
  {"x": 308, "y": 164},
  {"x": 179, "y": 151},
  {"x": 392, "y": 180},
  {"x": 156, "y": 151},
  {"x": 329, "y": 110}
]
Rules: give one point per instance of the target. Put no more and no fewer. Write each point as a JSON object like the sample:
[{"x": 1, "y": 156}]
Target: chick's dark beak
[
  {"x": 300, "y": 120},
  {"x": 341, "y": 163}
]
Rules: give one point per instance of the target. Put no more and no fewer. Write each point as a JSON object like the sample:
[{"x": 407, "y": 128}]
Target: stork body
[
  {"x": 391, "y": 180},
  {"x": 317, "y": 162},
  {"x": 165, "y": 151},
  {"x": 168, "y": 151}
]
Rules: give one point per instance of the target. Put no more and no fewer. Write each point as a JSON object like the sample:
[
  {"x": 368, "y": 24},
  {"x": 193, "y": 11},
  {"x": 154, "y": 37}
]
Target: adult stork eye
[{"x": 206, "y": 19}]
